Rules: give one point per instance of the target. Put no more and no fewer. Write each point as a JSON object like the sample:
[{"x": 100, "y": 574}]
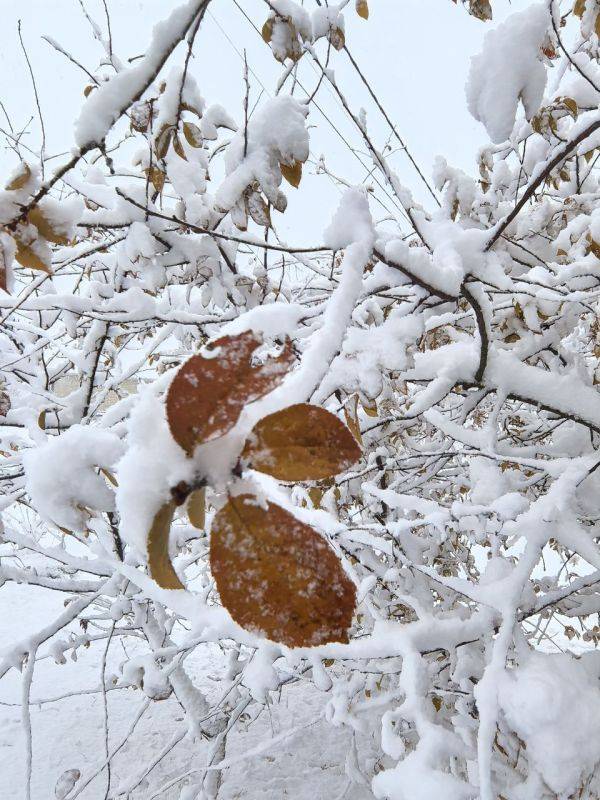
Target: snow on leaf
[
  {"x": 21, "y": 178},
  {"x": 207, "y": 395},
  {"x": 278, "y": 576},
  {"x": 301, "y": 443}
]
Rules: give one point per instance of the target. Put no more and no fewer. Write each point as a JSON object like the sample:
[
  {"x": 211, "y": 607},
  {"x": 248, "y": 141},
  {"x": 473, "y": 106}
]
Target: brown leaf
[
  {"x": 159, "y": 563},
  {"x": 277, "y": 576},
  {"x": 301, "y": 443},
  {"x": 192, "y": 134},
  {"x": 292, "y": 173},
  {"x": 21, "y": 179},
  {"x": 196, "y": 508},
  {"x": 207, "y": 395}
]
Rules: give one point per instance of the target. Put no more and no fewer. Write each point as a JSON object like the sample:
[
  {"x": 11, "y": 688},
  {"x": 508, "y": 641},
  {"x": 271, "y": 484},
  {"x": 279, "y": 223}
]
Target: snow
[
  {"x": 553, "y": 703},
  {"x": 62, "y": 479},
  {"x": 105, "y": 105},
  {"x": 508, "y": 70}
]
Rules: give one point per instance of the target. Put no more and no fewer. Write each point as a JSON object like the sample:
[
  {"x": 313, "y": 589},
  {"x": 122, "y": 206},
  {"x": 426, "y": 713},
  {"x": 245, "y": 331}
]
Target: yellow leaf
[
  {"x": 351, "y": 415},
  {"x": 44, "y": 226},
  {"x": 157, "y": 178},
  {"x": 301, "y": 443},
  {"x": 159, "y": 563},
  {"x": 370, "y": 408},
  {"x": 267, "y": 31},
  {"x": 196, "y": 508},
  {"x": 28, "y": 258},
  {"x": 292, "y": 173},
  {"x": 362, "y": 9},
  {"x": 192, "y": 134},
  {"x": 21, "y": 179},
  {"x": 42, "y": 420}
]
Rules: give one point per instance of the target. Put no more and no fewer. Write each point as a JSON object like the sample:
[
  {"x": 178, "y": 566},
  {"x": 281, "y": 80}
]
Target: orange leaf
[
  {"x": 279, "y": 577},
  {"x": 301, "y": 443},
  {"x": 207, "y": 395}
]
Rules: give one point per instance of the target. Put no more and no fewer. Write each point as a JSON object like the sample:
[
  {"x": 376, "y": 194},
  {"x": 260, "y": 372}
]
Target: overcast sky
[{"x": 416, "y": 53}]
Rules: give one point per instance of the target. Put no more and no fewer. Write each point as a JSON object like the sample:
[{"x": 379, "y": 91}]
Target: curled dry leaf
[
  {"x": 351, "y": 415},
  {"x": 45, "y": 227},
  {"x": 159, "y": 563},
  {"x": 207, "y": 395},
  {"x": 4, "y": 401},
  {"x": 278, "y": 576},
  {"x": 178, "y": 148},
  {"x": 292, "y": 173},
  {"x": 301, "y": 443},
  {"x": 196, "y": 508},
  {"x": 163, "y": 141},
  {"x": 20, "y": 180}
]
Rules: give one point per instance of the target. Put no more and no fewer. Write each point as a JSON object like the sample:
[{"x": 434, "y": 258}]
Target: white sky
[{"x": 416, "y": 53}]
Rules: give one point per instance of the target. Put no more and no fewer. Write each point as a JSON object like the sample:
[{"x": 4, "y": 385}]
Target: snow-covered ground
[{"x": 306, "y": 760}]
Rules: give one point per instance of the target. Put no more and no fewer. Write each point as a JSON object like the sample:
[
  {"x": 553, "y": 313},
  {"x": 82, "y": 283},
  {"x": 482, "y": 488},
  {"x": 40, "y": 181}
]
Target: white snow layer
[
  {"x": 553, "y": 704},
  {"x": 509, "y": 69},
  {"x": 62, "y": 479}
]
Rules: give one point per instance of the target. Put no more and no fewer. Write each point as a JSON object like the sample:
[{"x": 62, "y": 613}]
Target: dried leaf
[
  {"x": 481, "y": 9},
  {"x": 301, "y": 443},
  {"x": 157, "y": 178},
  {"x": 277, "y": 576},
  {"x": 178, "y": 147},
  {"x": 351, "y": 415},
  {"x": 267, "y": 31},
  {"x": 45, "y": 228},
  {"x": 362, "y": 9},
  {"x": 337, "y": 38},
  {"x": 258, "y": 209},
  {"x": 159, "y": 563},
  {"x": 89, "y": 89},
  {"x": 163, "y": 141},
  {"x": 292, "y": 173},
  {"x": 192, "y": 134},
  {"x": 109, "y": 476},
  {"x": 207, "y": 395},
  {"x": 196, "y": 508},
  {"x": 21, "y": 179},
  {"x": 28, "y": 258},
  {"x": 4, "y": 402}
]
